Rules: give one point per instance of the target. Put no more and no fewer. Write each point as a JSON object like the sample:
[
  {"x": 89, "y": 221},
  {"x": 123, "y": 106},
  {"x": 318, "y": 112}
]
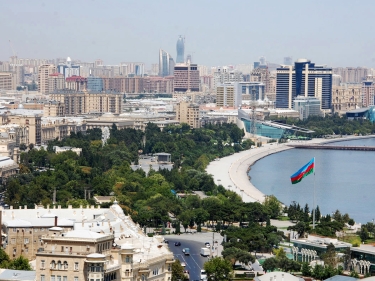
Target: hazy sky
[{"x": 218, "y": 32}]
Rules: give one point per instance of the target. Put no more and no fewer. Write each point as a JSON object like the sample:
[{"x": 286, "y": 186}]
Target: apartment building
[
  {"x": 188, "y": 113},
  {"x": 54, "y": 109},
  {"x": 7, "y": 81},
  {"x": 56, "y": 81},
  {"x": 154, "y": 84},
  {"x": 77, "y": 103},
  {"x": 44, "y": 72}
]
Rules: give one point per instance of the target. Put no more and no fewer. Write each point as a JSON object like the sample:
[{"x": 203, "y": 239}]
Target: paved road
[{"x": 194, "y": 262}]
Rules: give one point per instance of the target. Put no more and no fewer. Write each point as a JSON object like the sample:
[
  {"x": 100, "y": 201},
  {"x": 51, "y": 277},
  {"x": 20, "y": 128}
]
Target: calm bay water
[{"x": 344, "y": 180}]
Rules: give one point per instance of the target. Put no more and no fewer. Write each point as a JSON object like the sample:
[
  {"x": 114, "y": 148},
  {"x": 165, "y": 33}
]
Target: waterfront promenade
[{"x": 232, "y": 171}]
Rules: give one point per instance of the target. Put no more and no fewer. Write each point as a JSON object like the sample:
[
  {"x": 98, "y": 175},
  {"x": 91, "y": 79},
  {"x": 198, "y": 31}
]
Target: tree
[
  {"x": 31, "y": 146},
  {"x": 178, "y": 272},
  {"x": 218, "y": 269},
  {"x": 273, "y": 205},
  {"x": 270, "y": 264},
  {"x": 300, "y": 228},
  {"x": 23, "y": 146},
  {"x": 306, "y": 269},
  {"x": 363, "y": 233},
  {"x": 330, "y": 257}
]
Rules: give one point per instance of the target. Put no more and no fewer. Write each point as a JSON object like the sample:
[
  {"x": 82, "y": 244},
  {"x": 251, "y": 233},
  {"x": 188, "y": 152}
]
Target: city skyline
[{"x": 121, "y": 31}]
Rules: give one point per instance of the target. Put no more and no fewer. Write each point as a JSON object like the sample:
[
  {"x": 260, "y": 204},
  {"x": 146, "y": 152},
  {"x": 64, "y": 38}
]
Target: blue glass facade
[
  {"x": 180, "y": 47},
  {"x": 94, "y": 84},
  {"x": 319, "y": 83}
]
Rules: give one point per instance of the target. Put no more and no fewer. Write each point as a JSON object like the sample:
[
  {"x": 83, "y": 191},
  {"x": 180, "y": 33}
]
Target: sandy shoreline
[{"x": 232, "y": 171}]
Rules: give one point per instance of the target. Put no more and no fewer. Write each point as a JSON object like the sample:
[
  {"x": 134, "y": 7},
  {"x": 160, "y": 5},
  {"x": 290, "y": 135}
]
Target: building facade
[
  {"x": 94, "y": 84},
  {"x": 368, "y": 91},
  {"x": 188, "y": 113},
  {"x": 306, "y": 79},
  {"x": 307, "y": 106},
  {"x": 346, "y": 97},
  {"x": 7, "y": 81},
  {"x": 180, "y": 47},
  {"x": 166, "y": 63},
  {"x": 77, "y": 103},
  {"x": 186, "y": 78},
  {"x": 56, "y": 81},
  {"x": 44, "y": 73}
]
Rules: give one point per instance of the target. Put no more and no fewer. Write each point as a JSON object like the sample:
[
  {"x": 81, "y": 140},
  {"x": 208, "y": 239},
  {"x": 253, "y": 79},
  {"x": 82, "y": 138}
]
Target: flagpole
[{"x": 314, "y": 209}]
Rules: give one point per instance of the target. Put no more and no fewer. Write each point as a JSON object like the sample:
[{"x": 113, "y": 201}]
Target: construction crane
[{"x": 11, "y": 47}]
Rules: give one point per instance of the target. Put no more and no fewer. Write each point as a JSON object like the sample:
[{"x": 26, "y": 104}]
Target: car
[
  {"x": 166, "y": 241},
  {"x": 203, "y": 275},
  {"x": 183, "y": 264},
  {"x": 177, "y": 243},
  {"x": 207, "y": 244}
]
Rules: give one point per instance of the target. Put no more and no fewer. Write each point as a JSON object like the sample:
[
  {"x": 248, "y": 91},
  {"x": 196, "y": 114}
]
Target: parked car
[
  {"x": 177, "y": 243},
  {"x": 166, "y": 241},
  {"x": 207, "y": 244}
]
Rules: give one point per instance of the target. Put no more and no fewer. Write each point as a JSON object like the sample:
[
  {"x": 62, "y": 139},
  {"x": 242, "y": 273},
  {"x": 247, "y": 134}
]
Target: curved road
[{"x": 194, "y": 262}]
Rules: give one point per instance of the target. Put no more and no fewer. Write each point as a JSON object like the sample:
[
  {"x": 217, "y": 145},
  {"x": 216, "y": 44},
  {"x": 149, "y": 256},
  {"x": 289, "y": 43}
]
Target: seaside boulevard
[{"x": 232, "y": 171}]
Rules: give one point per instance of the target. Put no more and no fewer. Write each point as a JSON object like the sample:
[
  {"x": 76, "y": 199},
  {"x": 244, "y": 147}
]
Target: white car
[{"x": 203, "y": 275}]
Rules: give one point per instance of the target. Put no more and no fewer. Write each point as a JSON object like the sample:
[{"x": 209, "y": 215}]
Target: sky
[{"x": 217, "y": 32}]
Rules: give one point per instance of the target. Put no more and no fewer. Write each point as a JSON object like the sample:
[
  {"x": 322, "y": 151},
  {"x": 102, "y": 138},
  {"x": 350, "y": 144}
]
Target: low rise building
[{"x": 85, "y": 244}]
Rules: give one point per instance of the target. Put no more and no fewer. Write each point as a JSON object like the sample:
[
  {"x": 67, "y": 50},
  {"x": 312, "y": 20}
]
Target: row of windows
[
  {"x": 59, "y": 265},
  {"x": 57, "y": 278}
]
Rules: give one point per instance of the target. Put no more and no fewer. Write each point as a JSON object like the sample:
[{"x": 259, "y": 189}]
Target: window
[
  {"x": 58, "y": 278},
  {"x": 65, "y": 278},
  {"x": 59, "y": 266},
  {"x": 155, "y": 271},
  {"x": 53, "y": 278},
  {"x": 143, "y": 277},
  {"x": 76, "y": 266},
  {"x": 53, "y": 265},
  {"x": 26, "y": 241},
  {"x": 42, "y": 278},
  {"x": 14, "y": 229},
  {"x": 13, "y": 241},
  {"x": 65, "y": 265},
  {"x": 42, "y": 264},
  {"x": 75, "y": 278},
  {"x": 127, "y": 259}
]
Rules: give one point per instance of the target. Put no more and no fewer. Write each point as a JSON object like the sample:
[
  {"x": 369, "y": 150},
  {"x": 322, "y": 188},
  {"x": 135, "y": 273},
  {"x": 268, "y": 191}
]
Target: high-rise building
[
  {"x": 56, "y": 81},
  {"x": 229, "y": 94},
  {"x": 368, "y": 92},
  {"x": 165, "y": 60},
  {"x": 306, "y": 79},
  {"x": 68, "y": 69},
  {"x": 94, "y": 84},
  {"x": 288, "y": 61},
  {"x": 180, "y": 47},
  {"x": 351, "y": 74},
  {"x": 186, "y": 78},
  {"x": 7, "y": 81},
  {"x": 44, "y": 72},
  {"x": 225, "y": 74}
]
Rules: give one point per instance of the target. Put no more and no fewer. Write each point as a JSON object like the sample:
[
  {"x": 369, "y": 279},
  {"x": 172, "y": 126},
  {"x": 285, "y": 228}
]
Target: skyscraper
[
  {"x": 305, "y": 79},
  {"x": 165, "y": 61},
  {"x": 180, "y": 47},
  {"x": 288, "y": 61}
]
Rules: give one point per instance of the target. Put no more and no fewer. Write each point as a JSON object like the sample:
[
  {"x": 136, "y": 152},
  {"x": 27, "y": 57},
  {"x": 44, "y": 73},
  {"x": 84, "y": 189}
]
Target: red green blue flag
[{"x": 303, "y": 172}]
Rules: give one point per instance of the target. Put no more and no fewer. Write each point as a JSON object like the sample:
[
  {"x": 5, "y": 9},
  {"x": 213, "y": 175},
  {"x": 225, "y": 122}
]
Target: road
[{"x": 194, "y": 262}]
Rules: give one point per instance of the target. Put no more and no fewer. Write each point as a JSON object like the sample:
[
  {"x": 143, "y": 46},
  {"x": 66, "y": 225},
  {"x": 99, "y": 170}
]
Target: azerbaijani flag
[{"x": 303, "y": 172}]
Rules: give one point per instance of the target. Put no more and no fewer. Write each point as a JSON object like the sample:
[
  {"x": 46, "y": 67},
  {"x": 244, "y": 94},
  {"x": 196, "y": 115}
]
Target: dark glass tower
[{"x": 180, "y": 47}]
